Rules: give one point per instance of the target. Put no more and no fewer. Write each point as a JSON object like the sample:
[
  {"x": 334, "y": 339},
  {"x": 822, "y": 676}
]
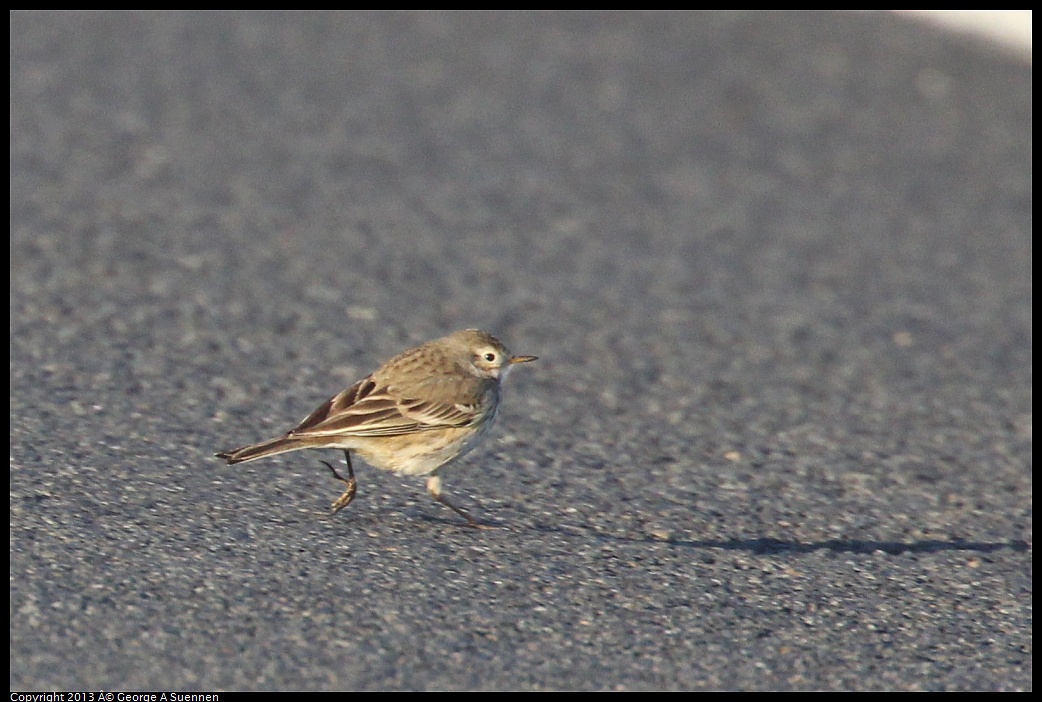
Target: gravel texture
[{"x": 777, "y": 267}]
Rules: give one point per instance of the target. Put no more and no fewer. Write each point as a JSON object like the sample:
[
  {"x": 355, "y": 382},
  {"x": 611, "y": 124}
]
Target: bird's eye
[{"x": 490, "y": 357}]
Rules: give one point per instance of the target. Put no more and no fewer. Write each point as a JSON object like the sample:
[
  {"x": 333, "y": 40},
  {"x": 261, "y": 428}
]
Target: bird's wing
[{"x": 366, "y": 409}]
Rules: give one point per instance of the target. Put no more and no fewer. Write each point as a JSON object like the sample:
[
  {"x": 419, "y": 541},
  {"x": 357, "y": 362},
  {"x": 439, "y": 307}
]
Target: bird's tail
[{"x": 264, "y": 448}]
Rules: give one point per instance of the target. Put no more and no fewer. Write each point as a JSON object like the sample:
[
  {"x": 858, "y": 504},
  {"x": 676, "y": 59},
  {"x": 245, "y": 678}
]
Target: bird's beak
[{"x": 522, "y": 359}]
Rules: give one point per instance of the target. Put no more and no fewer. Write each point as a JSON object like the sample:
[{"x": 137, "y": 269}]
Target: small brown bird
[{"x": 421, "y": 410}]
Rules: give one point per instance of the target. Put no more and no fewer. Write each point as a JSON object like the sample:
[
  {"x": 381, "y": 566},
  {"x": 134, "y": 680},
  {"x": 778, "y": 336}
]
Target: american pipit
[{"x": 422, "y": 409}]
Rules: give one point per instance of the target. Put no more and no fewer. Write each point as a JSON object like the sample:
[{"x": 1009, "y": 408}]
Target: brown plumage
[{"x": 422, "y": 409}]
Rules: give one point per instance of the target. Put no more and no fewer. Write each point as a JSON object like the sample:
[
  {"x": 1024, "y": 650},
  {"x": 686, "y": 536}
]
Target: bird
[{"x": 419, "y": 411}]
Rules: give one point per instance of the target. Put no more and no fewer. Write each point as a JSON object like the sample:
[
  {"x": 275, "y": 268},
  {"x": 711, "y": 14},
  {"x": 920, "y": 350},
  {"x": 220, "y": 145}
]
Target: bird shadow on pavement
[{"x": 768, "y": 545}]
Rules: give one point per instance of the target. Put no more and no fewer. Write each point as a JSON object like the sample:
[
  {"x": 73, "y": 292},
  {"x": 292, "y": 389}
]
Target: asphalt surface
[{"x": 777, "y": 268}]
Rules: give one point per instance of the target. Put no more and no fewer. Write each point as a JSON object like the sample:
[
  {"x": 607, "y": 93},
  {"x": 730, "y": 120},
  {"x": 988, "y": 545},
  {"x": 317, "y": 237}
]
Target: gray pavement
[{"x": 777, "y": 268}]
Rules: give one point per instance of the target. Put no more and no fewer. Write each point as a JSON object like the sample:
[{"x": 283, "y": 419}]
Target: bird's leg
[
  {"x": 434, "y": 488},
  {"x": 352, "y": 484}
]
